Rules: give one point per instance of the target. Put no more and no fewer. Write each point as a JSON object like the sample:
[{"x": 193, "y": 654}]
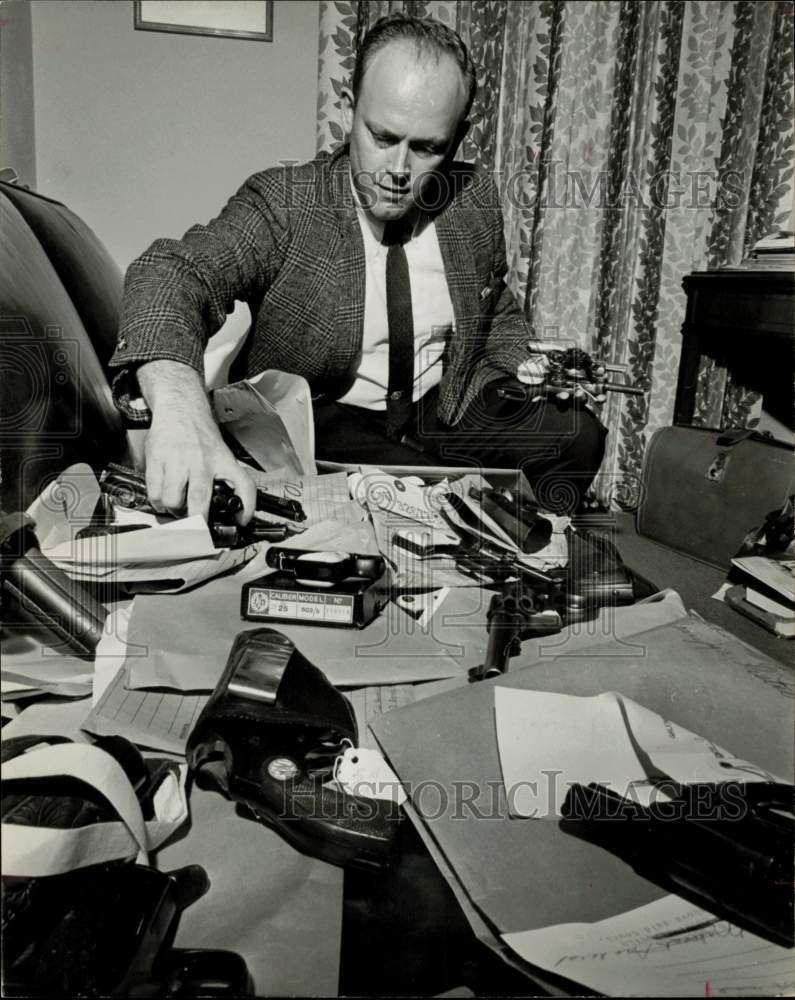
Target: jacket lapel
[
  {"x": 347, "y": 252},
  {"x": 455, "y": 244},
  {"x": 349, "y": 276}
]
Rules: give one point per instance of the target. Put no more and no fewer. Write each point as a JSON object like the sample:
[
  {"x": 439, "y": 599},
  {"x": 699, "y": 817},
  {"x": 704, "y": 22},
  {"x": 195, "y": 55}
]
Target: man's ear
[{"x": 347, "y": 103}]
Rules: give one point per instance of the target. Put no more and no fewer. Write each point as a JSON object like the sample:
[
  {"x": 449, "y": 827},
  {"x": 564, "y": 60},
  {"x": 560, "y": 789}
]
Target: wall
[
  {"x": 144, "y": 133},
  {"x": 17, "y": 142}
]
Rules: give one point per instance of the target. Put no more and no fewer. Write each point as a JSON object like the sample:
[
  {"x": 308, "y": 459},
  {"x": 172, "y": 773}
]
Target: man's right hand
[{"x": 184, "y": 448}]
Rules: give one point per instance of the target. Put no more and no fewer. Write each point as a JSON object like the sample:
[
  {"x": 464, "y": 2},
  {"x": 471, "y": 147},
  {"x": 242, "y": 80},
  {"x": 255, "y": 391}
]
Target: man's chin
[{"x": 388, "y": 213}]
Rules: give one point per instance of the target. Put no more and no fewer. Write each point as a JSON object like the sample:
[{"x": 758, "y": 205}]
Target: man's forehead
[{"x": 403, "y": 69}]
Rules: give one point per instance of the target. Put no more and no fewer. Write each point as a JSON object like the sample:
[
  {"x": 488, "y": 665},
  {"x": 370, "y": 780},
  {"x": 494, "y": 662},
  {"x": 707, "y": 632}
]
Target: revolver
[
  {"x": 268, "y": 739},
  {"x": 569, "y": 370},
  {"x": 532, "y": 602}
]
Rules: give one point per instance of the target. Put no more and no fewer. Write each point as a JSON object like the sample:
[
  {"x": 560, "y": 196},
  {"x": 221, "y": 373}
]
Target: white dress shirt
[{"x": 431, "y": 309}]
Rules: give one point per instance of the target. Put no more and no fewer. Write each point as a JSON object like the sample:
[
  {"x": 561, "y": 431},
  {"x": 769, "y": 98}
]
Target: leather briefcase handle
[{"x": 734, "y": 435}]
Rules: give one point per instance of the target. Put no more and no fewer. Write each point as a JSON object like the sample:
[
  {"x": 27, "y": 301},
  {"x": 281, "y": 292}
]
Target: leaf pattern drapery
[{"x": 632, "y": 143}]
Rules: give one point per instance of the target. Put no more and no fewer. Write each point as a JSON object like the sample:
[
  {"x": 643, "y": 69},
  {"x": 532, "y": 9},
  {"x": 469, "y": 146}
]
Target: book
[
  {"x": 782, "y": 241},
  {"x": 735, "y": 597},
  {"x": 773, "y": 607},
  {"x": 777, "y": 575}
]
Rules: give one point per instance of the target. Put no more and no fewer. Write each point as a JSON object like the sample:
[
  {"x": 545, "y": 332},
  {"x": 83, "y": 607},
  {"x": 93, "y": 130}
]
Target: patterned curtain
[{"x": 632, "y": 143}]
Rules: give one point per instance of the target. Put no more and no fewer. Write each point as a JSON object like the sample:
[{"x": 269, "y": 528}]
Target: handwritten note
[{"x": 668, "y": 948}]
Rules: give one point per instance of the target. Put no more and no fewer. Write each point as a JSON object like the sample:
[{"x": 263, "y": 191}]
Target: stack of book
[
  {"x": 775, "y": 252},
  {"x": 763, "y": 588}
]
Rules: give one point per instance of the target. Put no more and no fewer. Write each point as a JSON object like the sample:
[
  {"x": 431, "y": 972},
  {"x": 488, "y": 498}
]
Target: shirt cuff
[{"x": 128, "y": 399}]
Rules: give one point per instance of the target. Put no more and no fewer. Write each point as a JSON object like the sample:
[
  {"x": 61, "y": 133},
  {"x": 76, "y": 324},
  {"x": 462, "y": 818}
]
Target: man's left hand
[{"x": 535, "y": 372}]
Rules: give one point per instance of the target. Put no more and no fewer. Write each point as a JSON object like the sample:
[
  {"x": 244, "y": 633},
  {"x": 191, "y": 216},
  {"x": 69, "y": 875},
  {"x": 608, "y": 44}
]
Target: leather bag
[{"x": 702, "y": 491}]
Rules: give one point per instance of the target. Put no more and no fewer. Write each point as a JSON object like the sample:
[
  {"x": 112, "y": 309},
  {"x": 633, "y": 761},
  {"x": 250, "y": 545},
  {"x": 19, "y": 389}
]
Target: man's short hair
[{"x": 431, "y": 37}]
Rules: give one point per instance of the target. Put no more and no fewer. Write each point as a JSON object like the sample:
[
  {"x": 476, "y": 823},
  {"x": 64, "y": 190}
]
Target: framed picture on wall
[{"x": 223, "y": 18}]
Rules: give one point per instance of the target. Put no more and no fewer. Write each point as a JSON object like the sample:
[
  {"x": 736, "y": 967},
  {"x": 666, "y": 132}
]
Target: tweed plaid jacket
[{"x": 289, "y": 245}]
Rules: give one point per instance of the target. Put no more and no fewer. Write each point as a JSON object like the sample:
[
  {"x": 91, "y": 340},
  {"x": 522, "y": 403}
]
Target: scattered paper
[
  {"x": 334, "y": 536},
  {"x": 548, "y": 742},
  {"x": 392, "y": 649},
  {"x": 720, "y": 593},
  {"x": 171, "y": 577},
  {"x": 51, "y": 718},
  {"x": 370, "y": 702},
  {"x": 405, "y": 497},
  {"x": 165, "y": 556},
  {"x": 271, "y": 416},
  {"x": 29, "y": 667},
  {"x": 65, "y": 506},
  {"x": 406, "y": 506},
  {"x": 172, "y": 541},
  {"x": 46, "y": 850},
  {"x": 668, "y": 948},
  {"x": 161, "y": 720},
  {"x": 323, "y": 498},
  {"x": 112, "y": 649},
  {"x": 422, "y": 606}
]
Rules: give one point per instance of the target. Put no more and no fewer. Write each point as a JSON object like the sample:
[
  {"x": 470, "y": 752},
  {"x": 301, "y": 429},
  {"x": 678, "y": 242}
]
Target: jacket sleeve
[
  {"x": 178, "y": 293},
  {"x": 506, "y": 329}
]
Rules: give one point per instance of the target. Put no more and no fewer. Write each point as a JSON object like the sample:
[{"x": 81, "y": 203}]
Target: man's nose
[{"x": 399, "y": 162}]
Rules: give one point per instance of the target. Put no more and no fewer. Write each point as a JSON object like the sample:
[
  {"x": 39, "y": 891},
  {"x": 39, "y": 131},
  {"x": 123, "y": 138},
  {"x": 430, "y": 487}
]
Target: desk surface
[
  {"x": 524, "y": 874},
  {"x": 261, "y": 881}
]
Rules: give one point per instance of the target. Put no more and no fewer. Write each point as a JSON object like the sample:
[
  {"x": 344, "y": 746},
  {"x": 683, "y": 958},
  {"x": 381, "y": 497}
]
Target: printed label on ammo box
[{"x": 304, "y": 606}]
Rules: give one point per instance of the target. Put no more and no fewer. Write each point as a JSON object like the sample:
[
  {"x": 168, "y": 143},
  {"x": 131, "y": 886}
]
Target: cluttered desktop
[{"x": 243, "y": 755}]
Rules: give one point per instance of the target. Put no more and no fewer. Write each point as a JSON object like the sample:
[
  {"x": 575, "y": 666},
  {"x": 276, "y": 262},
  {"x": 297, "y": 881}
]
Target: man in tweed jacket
[{"x": 296, "y": 244}]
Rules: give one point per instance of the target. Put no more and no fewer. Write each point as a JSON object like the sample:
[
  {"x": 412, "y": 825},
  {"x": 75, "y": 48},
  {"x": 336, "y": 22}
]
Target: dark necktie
[{"x": 401, "y": 329}]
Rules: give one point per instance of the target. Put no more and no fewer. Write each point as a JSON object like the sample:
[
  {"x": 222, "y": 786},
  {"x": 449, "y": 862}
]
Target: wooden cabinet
[{"x": 745, "y": 321}]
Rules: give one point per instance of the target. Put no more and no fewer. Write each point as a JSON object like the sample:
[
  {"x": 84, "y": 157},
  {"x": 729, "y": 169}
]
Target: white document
[
  {"x": 167, "y": 577},
  {"x": 186, "y": 538},
  {"x": 323, "y": 498},
  {"x": 549, "y": 741},
  {"x": 271, "y": 416},
  {"x": 65, "y": 506},
  {"x": 668, "y": 948},
  {"x": 27, "y": 666},
  {"x": 403, "y": 496}
]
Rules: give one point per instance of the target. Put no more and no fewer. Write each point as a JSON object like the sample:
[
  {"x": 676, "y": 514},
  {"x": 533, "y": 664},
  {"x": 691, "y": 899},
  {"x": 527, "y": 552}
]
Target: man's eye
[{"x": 382, "y": 140}]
